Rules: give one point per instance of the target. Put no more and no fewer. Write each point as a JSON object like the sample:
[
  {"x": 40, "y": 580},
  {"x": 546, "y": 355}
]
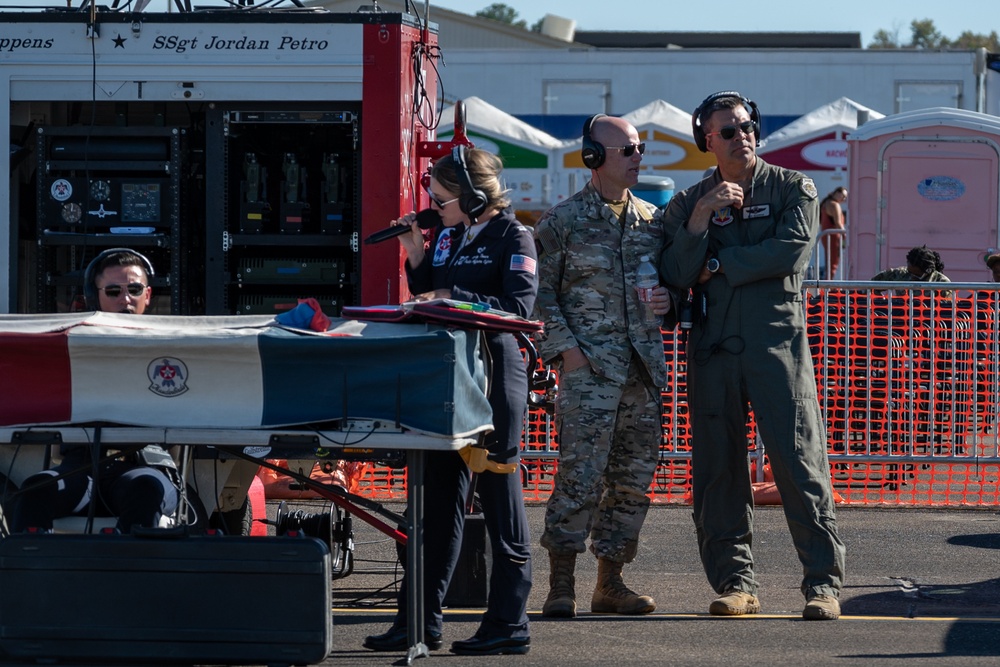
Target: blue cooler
[{"x": 657, "y": 190}]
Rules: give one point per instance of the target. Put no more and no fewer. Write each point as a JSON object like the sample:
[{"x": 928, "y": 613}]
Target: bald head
[
  {"x": 612, "y": 131},
  {"x": 622, "y": 157}
]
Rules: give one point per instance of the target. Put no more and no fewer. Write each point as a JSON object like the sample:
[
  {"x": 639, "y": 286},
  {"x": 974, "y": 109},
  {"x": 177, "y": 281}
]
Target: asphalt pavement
[{"x": 923, "y": 588}]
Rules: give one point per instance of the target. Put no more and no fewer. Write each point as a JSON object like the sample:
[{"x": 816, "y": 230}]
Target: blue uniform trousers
[{"x": 447, "y": 481}]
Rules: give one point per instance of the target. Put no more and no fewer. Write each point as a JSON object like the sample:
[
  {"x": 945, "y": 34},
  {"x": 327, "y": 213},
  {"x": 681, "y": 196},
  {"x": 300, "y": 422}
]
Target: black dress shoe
[
  {"x": 492, "y": 646},
  {"x": 395, "y": 640}
]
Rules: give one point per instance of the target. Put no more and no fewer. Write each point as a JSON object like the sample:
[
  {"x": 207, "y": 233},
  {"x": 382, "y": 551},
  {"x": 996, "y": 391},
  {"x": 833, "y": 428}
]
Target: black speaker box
[{"x": 470, "y": 583}]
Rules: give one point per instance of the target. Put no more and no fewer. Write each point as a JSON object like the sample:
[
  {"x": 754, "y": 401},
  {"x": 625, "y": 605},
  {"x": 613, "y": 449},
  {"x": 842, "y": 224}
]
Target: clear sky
[
  {"x": 864, "y": 16},
  {"x": 951, "y": 18}
]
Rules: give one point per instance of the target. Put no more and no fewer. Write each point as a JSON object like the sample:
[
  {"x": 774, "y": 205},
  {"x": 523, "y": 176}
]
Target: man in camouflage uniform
[
  {"x": 922, "y": 265},
  {"x": 741, "y": 238},
  {"x": 611, "y": 369}
]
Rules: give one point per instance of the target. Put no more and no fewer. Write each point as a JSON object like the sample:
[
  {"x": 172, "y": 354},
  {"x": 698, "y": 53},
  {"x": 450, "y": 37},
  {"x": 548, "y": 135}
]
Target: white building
[{"x": 554, "y": 82}]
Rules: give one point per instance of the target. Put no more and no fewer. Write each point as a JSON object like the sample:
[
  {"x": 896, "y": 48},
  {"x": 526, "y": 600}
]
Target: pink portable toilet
[{"x": 930, "y": 176}]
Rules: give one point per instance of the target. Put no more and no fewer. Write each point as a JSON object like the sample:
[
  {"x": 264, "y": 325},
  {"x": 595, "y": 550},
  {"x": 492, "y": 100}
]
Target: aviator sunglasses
[
  {"x": 435, "y": 200},
  {"x": 114, "y": 291},
  {"x": 729, "y": 131},
  {"x": 629, "y": 150}
]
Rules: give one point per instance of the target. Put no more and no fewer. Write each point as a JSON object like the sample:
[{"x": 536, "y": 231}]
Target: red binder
[{"x": 463, "y": 314}]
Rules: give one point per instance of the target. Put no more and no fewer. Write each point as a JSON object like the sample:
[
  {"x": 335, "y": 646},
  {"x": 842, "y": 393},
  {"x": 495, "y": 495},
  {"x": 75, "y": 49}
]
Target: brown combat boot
[
  {"x": 561, "y": 602},
  {"x": 612, "y": 596}
]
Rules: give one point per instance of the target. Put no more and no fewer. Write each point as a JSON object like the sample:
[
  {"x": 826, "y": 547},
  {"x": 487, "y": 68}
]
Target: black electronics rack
[
  {"x": 101, "y": 187},
  {"x": 283, "y": 211}
]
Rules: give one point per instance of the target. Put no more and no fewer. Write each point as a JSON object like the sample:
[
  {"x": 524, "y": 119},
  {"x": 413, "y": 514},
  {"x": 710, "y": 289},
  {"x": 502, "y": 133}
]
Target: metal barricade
[{"x": 908, "y": 377}]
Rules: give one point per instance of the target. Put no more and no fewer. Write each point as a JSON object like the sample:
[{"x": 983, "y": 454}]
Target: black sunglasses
[
  {"x": 436, "y": 200},
  {"x": 729, "y": 131},
  {"x": 629, "y": 150},
  {"x": 114, "y": 291}
]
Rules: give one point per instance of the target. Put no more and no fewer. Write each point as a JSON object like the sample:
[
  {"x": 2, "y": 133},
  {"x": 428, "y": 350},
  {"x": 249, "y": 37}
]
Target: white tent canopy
[
  {"x": 527, "y": 152},
  {"x": 841, "y": 115},
  {"x": 664, "y": 115},
  {"x": 484, "y": 117},
  {"x": 670, "y": 149}
]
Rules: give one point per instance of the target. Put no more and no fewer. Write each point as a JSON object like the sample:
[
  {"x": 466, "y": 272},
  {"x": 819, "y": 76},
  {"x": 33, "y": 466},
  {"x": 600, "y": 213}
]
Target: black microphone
[{"x": 426, "y": 219}]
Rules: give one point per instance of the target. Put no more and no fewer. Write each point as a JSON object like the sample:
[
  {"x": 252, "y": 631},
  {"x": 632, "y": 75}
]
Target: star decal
[{"x": 119, "y": 41}]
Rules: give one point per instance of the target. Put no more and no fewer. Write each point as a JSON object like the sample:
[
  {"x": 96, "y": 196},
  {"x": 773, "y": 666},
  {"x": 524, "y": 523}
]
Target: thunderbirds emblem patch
[{"x": 167, "y": 376}]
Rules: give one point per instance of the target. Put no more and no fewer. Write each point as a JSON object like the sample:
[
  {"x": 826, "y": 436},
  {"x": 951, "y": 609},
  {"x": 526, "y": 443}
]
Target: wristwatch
[{"x": 713, "y": 265}]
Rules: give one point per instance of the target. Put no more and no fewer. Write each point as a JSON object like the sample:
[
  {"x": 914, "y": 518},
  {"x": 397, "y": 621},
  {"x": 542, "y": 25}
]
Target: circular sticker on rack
[{"x": 61, "y": 189}]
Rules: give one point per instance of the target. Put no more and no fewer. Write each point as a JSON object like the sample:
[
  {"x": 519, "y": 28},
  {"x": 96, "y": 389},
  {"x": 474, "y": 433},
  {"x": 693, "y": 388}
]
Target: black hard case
[{"x": 165, "y": 600}]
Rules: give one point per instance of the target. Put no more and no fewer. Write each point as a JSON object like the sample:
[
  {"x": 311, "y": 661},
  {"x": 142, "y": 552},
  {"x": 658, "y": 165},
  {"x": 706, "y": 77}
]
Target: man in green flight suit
[{"x": 741, "y": 240}]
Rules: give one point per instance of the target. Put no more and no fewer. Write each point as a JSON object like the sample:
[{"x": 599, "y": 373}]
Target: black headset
[
  {"x": 472, "y": 201},
  {"x": 90, "y": 275},
  {"x": 591, "y": 151},
  {"x": 699, "y": 133}
]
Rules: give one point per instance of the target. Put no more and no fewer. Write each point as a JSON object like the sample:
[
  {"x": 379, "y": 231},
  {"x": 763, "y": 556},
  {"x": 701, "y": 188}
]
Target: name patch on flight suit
[
  {"x": 723, "y": 216},
  {"x": 756, "y": 211},
  {"x": 478, "y": 258}
]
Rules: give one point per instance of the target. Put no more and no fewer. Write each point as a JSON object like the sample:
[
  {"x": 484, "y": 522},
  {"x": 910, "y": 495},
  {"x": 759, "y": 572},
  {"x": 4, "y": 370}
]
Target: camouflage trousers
[{"x": 609, "y": 439}]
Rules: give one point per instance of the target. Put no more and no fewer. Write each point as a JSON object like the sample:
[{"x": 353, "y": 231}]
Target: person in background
[
  {"x": 922, "y": 264},
  {"x": 993, "y": 264},
  {"x": 611, "y": 369},
  {"x": 741, "y": 240},
  {"x": 138, "y": 489},
  {"x": 120, "y": 282},
  {"x": 480, "y": 253},
  {"x": 831, "y": 216}
]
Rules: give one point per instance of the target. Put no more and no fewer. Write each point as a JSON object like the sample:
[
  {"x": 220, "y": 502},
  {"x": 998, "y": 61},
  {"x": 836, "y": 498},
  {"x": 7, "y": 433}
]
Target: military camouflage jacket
[
  {"x": 586, "y": 290},
  {"x": 902, "y": 274}
]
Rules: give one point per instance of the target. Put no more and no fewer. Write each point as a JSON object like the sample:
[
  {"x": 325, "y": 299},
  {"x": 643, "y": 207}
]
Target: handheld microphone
[{"x": 426, "y": 219}]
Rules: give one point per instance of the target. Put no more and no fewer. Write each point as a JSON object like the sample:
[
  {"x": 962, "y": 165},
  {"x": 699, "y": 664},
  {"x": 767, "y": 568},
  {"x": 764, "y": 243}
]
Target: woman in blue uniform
[{"x": 480, "y": 253}]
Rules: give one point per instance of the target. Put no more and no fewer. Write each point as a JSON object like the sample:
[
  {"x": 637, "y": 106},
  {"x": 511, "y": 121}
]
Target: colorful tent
[
  {"x": 816, "y": 141},
  {"x": 526, "y": 151},
  {"x": 670, "y": 149}
]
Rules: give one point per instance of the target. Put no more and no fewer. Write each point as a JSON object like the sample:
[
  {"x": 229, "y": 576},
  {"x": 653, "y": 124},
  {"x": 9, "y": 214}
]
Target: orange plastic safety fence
[
  {"x": 909, "y": 381},
  {"x": 383, "y": 483}
]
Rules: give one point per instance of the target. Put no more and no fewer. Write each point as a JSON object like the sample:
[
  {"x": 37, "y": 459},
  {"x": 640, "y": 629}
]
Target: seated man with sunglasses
[
  {"x": 135, "y": 487},
  {"x": 741, "y": 240},
  {"x": 120, "y": 281}
]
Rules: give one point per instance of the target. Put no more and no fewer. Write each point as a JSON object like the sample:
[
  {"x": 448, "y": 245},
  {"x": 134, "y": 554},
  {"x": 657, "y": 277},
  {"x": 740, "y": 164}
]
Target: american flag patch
[{"x": 522, "y": 263}]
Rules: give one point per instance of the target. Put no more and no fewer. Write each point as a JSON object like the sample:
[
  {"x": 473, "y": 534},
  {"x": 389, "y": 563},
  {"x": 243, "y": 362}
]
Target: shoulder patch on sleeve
[
  {"x": 808, "y": 188},
  {"x": 546, "y": 240}
]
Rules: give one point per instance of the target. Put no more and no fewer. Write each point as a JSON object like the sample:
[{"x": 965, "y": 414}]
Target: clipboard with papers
[{"x": 449, "y": 312}]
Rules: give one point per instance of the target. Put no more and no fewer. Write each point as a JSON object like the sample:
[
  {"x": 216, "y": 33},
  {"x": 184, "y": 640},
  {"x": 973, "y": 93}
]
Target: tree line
[{"x": 923, "y": 33}]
